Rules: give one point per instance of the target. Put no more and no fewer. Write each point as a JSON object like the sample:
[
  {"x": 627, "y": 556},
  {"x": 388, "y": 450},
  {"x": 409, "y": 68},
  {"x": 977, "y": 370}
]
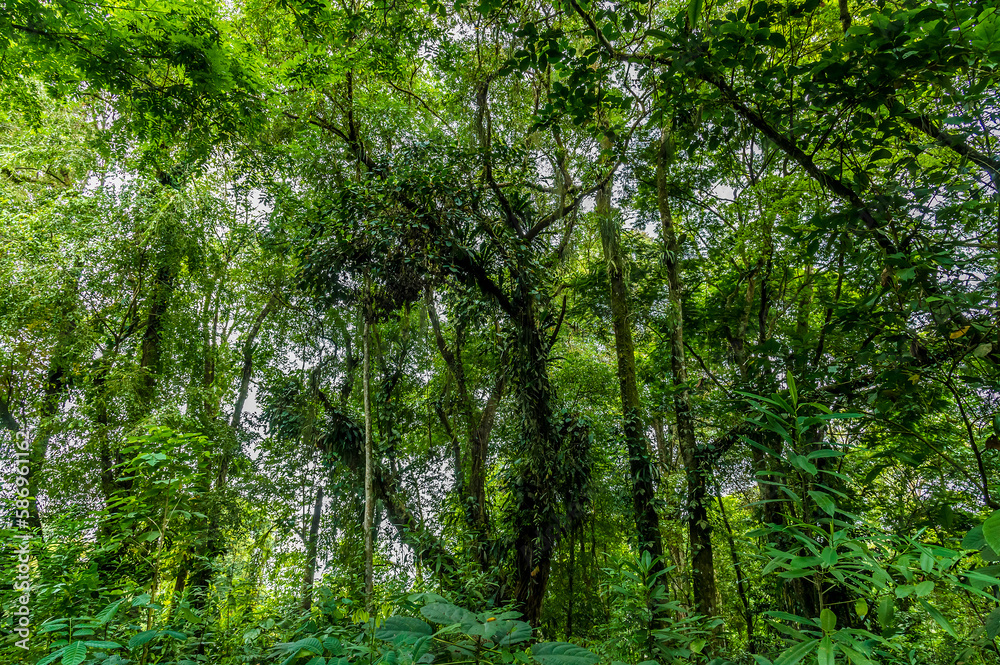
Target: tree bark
[
  {"x": 150, "y": 361},
  {"x": 647, "y": 522},
  {"x": 479, "y": 426},
  {"x": 369, "y": 459},
  {"x": 696, "y": 462},
  {"x": 312, "y": 550},
  {"x": 56, "y": 383},
  {"x": 741, "y": 583},
  {"x": 8, "y": 421}
]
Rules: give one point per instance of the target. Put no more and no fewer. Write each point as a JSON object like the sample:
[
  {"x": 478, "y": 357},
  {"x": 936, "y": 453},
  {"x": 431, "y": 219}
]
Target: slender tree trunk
[
  {"x": 647, "y": 521},
  {"x": 478, "y": 427},
  {"x": 151, "y": 349},
  {"x": 8, "y": 421},
  {"x": 741, "y": 583},
  {"x": 312, "y": 550},
  {"x": 369, "y": 458},
  {"x": 54, "y": 389},
  {"x": 200, "y": 575},
  {"x": 572, "y": 570},
  {"x": 696, "y": 462},
  {"x": 538, "y": 520}
]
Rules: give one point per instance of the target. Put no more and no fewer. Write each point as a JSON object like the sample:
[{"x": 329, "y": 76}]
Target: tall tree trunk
[
  {"x": 647, "y": 522},
  {"x": 312, "y": 550},
  {"x": 479, "y": 426},
  {"x": 572, "y": 570},
  {"x": 741, "y": 584},
  {"x": 8, "y": 421},
  {"x": 247, "y": 371},
  {"x": 697, "y": 463},
  {"x": 537, "y": 499},
  {"x": 200, "y": 575},
  {"x": 151, "y": 349},
  {"x": 56, "y": 383},
  {"x": 369, "y": 457}
]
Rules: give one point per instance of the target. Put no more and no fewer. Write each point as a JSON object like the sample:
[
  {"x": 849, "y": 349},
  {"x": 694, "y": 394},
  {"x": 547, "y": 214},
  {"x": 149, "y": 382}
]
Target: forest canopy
[{"x": 385, "y": 332}]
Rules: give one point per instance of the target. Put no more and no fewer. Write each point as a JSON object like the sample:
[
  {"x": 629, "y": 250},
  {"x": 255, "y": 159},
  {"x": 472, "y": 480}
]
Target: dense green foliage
[{"x": 513, "y": 331}]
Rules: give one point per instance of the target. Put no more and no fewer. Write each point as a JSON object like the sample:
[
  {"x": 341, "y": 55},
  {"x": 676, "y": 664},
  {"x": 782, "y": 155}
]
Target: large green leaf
[
  {"x": 826, "y": 654},
  {"x": 694, "y": 12},
  {"x": 974, "y": 540},
  {"x": 141, "y": 638},
  {"x": 52, "y": 657},
  {"x": 406, "y": 630},
  {"x": 824, "y": 501},
  {"x": 562, "y": 653},
  {"x": 447, "y": 614},
  {"x": 310, "y": 644},
  {"x": 53, "y": 625},
  {"x": 993, "y": 624},
  {"x": 937, "y": 616},
  {"x": 886, "y": 611},
  {"x": 991, "y": 531},
  {"x": 506, "y": 632},
  {"x": 75, "y": 654},
  {"x": 856, "y": 657},
  {"x": 796, "y": 653},
  {"x": 108, "y": 613},
  {"x": 828, "y": 620}
]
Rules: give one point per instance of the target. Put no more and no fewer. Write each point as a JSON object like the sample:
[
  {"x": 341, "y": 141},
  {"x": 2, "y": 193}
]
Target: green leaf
[
  {"x": 855, "y": 657},
  {"x": 980, "y": 578},
  {"x": 562, "y": 653},
  {"x": 694, "y": 12},
  {"x": 51, "y": 626},
  {"x": 108, "y": 613},
  {"x": 406, "y": 629},
  {"x": 188, "y": 614},
  {"x": 801, "y": 462},
  {"x": 310, "y": 644},
  {"x": 824, "y": 501},
  {"x": 52, "y": 657},
  {"x": 141, "y": 638},
  {"x": 827, "y": 620},
  {"x": 937, "y": 616},
  {"x": 826, "y": 653},
  {"x": 333, "y": 645},
  {"x": 886, "y": 611},
  {"x": 75, "y": 654},
  {"x": 508, "y": 632},
  {"x": 991, "y": 531},
  {"x": 993, "y": 623},
  {"x": 102, "y": 644},
  {"x": 796, "y": 652},
  {"x": 924, "y": 588},
  {"x": 861, "y": 607},
  {"x": 447, "y": 614}
]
